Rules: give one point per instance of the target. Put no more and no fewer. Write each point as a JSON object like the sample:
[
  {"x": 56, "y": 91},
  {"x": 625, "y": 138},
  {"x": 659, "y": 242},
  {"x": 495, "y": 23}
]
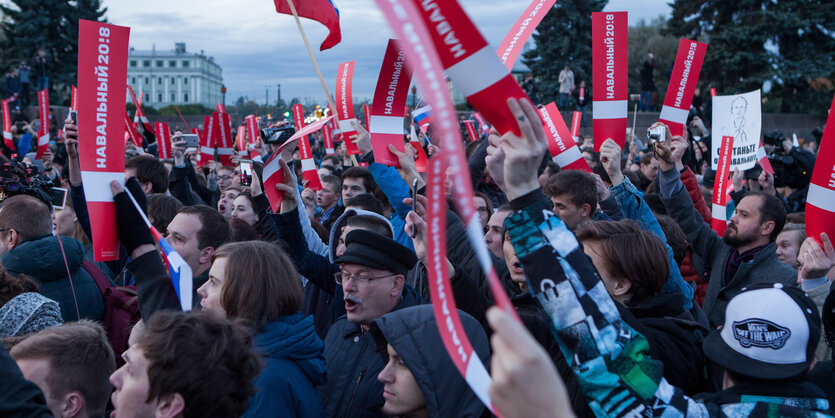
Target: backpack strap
[{"x": 101, "y": 281}]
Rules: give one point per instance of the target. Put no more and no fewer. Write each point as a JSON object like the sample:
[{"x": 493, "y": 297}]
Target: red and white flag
[
  {"x": 685, "y": 76},
  {"x": 345, "y": 105},
  {"x": 610, "y": 71},
  {"x": 561, "y": 144},
  {"x": 220, "y": 108},
  {"x": 207, "y": 141},
  {"x": 763, "y": 159},
  {"x": 130, "y": 133},
  {"x": 163, "y": 140},
  {"x": 102, "y": 77},
  {"x": 720, "y": 187},
  {"x": 515, "y": 39},
  {"x": 273, "y": 175},
  {"x": 327, "y": 136},
  {"x": 388, "y": 108},
  {"x": 482, "y": 125},
  {"x": 471, "y": 132},
  {"x": 820, "y": 202},
  {"x": 254, "y": 135},
  {"x": 43, "y": 132},
  {"x": 7, "y": 125},
  {"x": 306, "y": 155},
  {"x": 240, "y": 141},
  {"x": 222, "y": 130},
  {"x": 576, "y": 118}
]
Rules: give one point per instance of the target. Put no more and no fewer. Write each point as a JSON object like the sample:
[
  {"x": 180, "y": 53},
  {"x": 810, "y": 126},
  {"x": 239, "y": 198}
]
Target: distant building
[{"x": 174, "y": 77}]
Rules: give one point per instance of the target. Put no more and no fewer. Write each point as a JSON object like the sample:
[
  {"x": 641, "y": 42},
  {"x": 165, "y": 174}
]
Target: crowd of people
[{"x": 629, "y": 302}]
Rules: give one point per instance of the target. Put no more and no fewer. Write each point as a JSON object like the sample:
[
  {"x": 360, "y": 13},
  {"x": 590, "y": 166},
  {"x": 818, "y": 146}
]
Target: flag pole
[
  {"x": 634, "y": 120},
  {"x": 315, "y": 64},
  {"x": 181, "y": 117},
  {"x": 310, "y": 52}
]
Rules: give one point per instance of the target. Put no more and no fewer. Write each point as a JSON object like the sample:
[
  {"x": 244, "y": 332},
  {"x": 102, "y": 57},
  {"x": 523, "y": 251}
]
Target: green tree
[
  {"x": 645, "y": 38},
  {"x": 563, "y": 37},
  {"x": 786, "y": 47}
]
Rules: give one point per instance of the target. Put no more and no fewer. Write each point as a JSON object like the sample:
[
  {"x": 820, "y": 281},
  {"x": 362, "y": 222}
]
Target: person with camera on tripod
[{"x": 792, "y": 170}]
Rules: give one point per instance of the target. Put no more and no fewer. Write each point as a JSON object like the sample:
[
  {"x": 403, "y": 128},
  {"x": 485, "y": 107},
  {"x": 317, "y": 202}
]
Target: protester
[
  {"x": 566, "y": 79},
  {"x": 71, "y": 364},
  {"x": 243, "y": 208},
  {"x": 493, "y": 236}
]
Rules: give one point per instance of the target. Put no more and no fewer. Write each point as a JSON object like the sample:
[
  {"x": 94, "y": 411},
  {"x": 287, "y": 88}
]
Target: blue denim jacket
[{"x": 633, "y": 206}]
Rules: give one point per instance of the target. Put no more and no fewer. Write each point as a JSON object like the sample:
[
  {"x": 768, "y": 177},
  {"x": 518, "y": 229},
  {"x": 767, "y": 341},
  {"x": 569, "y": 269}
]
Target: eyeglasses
[
  {"x": 359, "y": 279},
  {"x": 224, "y": 178}
]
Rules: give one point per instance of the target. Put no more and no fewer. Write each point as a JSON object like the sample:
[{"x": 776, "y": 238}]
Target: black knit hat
[{"x": 373, "y": 250}]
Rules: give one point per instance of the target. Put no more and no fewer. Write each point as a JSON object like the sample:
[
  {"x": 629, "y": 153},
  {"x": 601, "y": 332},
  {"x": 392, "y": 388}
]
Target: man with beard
[{"x": 745, "y": 255}]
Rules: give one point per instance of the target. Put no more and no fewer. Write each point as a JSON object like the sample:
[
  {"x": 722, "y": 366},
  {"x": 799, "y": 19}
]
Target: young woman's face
[{"x": 242, "y": 209}]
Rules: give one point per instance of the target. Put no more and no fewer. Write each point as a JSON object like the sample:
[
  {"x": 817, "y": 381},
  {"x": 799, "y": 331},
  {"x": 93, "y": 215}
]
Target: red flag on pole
[
  {"x": 322, "y": 11},
  {"x": 720, "y": 184},
  {"x": 102, "y": 77},
  {"x": 610, "y": 73},
  {"x": 43, "y": 132},
  {"x": 388, "y": 110}
]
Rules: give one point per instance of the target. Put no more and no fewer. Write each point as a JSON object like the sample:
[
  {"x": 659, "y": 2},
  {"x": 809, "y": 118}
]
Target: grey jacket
[{"x": 707, "y": 244}]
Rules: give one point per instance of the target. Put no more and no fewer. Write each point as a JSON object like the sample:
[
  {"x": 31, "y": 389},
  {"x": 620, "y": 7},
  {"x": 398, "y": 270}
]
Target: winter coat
[
  {"x": 352, "y": 389},
  {"x": 41, "y": 258},
  {"x": 18, "y": 396},
  {"x": 413, "y": 334},
  {"x": 763, "y": 268},
  {"x": 691, "y": 183},
  {"x": 295, "y": 365}
]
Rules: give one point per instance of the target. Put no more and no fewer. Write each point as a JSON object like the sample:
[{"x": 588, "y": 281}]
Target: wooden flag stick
[
  {"x": 315, "y": 64},
  {"x": 634, "y": 121},
  {"x": 310, "y": 52}
]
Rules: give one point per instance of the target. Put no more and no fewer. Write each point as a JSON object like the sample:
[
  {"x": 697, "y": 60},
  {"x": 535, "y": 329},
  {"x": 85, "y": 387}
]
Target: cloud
[{"x": 258, "y": 48}]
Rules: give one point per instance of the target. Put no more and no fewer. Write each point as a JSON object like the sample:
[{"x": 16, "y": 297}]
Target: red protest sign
[
  {"x": 207, "y": 141},
  {"x": 254, "y": 135},
  {"x": 327, "y": 136},
  {"x": 74, "y": 98},
  {"x": 470, "y": 125},
  {"x": 820, "y": 201},
  {"x": 345, "y": 105},
  {"x": 130, "y": 133},
  {"x": 163, "y": 140},
  {"x": 140, "y": 115},
  {"x": 102, "y": 77},
  {"x": 8, "y": 141},
  {"x": 561, "y": 144},
  {"x": 469, "y": 62},
  {"x": 388, "y": 108},
  {"x": 273, "y": 175},
  {"x": 43, "y": 132},
  {"x": 720, "y": 184},
  {"x": 685, "y": 76},
  {"x": 515, "y": 39},
  {"x": 366, "y": 112},
  {"x": 308, "y": 165},
  {"x": 610, "y": 71},
  {"x": 576, "y": 118},
  {"x": 222, "y": 130}
]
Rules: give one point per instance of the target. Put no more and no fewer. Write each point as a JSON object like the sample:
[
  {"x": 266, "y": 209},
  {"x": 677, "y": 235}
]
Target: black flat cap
[{"x": 373, "y": 250}]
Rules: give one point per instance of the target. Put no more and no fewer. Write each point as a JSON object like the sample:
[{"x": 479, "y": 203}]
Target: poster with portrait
[{"x": 739, "y": 116}]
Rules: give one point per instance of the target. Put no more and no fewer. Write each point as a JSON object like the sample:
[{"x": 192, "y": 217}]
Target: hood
[
  {"x": 413, "y": 333},
  {"x": 293, "y": 338},
  {"x": 659, "y": 306},
  {"x": 41, "y": 258},
  {"x": 336, "y": 229}
]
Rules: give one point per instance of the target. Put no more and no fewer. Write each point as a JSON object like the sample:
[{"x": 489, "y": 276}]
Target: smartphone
[
  {"x": 246, "y": 172},
  {"x": 57, "y": 196},
  {"x": 192, "y": 141},
  {"x": 74, "y": 116}
]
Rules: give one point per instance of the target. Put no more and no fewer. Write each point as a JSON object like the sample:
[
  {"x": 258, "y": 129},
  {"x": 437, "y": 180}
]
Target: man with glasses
[{"x": 372, "y": 276}]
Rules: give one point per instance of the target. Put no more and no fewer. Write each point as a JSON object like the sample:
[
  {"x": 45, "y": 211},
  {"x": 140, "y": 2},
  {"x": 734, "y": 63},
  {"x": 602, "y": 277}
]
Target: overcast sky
[{"x": 258, "y": 48}]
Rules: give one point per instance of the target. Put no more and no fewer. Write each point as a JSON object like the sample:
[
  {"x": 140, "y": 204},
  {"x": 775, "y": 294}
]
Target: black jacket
[
  {"x": 154, "y": 287},
  {"x": 18, "y": 396},
  {"x": 352, "y": 389},
  {"x": 413, "y": 334}
]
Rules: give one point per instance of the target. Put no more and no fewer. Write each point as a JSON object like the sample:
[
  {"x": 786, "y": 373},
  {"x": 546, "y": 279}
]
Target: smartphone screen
[
  {"x": 246, "y": 173},
  {"x": 57, "y": 196},
  {"x": 74, "y": 116}
]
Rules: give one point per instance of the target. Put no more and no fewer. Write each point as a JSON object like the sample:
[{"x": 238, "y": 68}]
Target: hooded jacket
[
  {"x": 352, "y": 389},
  {"x": 295, "y": 365},
  {"x": 413, "y": 334},
  {"x": 41, "y": 258}
]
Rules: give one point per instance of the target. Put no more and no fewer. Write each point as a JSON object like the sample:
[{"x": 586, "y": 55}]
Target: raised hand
[
  {"x": 523, "y": 154},
  {"x": 610, "y": 157}
]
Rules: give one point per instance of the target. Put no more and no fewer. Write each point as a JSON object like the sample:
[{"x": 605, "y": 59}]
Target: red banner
[
  {"x": 685, "y": 76},
  {"x": 254, "y": 135},
  {"x": 470, "y": 124},
  {"x": 820, "y": 202},
  {"x": 366, "y": 113},
  {"x": 327, "y": 136},
  {"x": 207, "y": 141},
  {"x": 273, "y": 175},
  {"x": 470, "y": 63},
  {"x": 240, "y": 141},
  {"x": 43, "y": 114},
  {"x": 163, "y": 140},
  {"x": 130, "y": 133},
  {"x": 221, "y": 108},
  {"x": 102, "y": 77},
  {"x": 515, "y": 39},
  {"x": 8, "y": 140},
  {"x": 388, "y": 110},
  {"x": 298, "y": 117},
  {"x": 308, "y": 165},
  {"x": 345, "y": 105},
  {"x": 140, "y": 115},
  {"x": 763, "y": 159},
  {"x": 421, "y": 160},
  {"x": 720, "y": 198},
  {"x": 576, "y": 119},
  {"x": 610, "y": 71},
  {"x": 561, "y": 144},
  {"x": 485, "y": 128},
  {"x": 74, "y": 98},
  {"x": 223, "y": 137}
]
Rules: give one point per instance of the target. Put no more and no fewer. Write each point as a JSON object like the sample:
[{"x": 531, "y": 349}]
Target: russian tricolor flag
[
  {"x": 322, "y": 11},
  {"x": 423, "y": 117},
  {"x": 181, "y": 275}
]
